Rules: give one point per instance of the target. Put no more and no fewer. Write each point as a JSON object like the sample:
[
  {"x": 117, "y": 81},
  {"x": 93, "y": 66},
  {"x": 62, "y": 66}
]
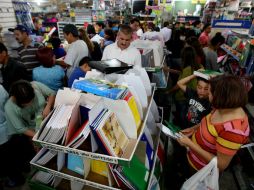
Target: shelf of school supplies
[
  {"x": 70, "y": 177},
  {"x": 97, "y": 156},
  {"x": 227, "y": 49}
]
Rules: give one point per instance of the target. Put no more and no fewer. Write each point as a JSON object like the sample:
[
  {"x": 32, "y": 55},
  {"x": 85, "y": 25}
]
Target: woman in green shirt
[{"x": 27, "y": 101}]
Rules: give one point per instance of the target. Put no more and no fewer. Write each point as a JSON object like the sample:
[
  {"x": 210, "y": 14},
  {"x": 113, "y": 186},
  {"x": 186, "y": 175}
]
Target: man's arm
[
  {"x": 62, "y": 64},
  {"x": 183, "y": 82}
]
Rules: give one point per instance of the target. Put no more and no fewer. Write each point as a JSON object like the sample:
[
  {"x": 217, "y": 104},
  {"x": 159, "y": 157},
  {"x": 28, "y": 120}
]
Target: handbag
[{"x": 205, "y": 179}]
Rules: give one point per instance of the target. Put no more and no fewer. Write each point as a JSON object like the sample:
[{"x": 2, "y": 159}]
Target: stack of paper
[
  {"x": 55, "y": 129},
  {"x": 46, "y": 157},
  {"x": 43, "y": 177}
]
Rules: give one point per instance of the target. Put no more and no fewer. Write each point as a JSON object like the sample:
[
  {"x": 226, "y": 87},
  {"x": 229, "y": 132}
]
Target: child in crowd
[
  {"x": 222, "y": 132},
  {"x": 109, "y": 38},
  {"x": 27, "y": 102},
  {"x": 79, "y": 71},
  {"x": 198, "y": 105},
  {"x": 189, "y": 66},
  {"x": 57, "y": 50},
  {"x": 211, "y": 52},
  {"x": 48, "y": 73}
]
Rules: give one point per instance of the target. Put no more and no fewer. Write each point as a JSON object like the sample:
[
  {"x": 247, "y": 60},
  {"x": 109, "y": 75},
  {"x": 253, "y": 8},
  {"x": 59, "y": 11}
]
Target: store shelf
[
  {"x": 97, "y": 156},
  {"x": 229, "y": 52},
  {"x": 97, "y": 185}
]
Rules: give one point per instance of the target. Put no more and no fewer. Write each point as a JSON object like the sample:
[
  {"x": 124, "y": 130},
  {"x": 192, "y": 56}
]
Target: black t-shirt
[{"x": 197, "y": 107}]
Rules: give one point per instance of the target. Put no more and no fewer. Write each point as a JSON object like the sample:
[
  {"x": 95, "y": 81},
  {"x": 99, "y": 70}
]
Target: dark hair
[
  {"x": 126, "y": 29},
  {"x": 84, "y": 60},
  {"x": 45, "y": 56},
  {"x": 3, "y": 48},
  {"x": 157, "y": 29},
  {"x": 56, "y": 42},
  {"x": 109, "y": 32},
  {"x": 202, "y": 79},
  {"x": 206, "y": 26},
  {"x": 217, "y": 39},
  {"x": 84, "y": 36},
  {"x": 189, "y": 58},
  {"x": 134, "y": 20},
  {"x": 90, "y": 29},
  {"x": 110, "y": 23},
  {"x": 166, "y": 24},
  {"x": 70, "y": 28},
  {"x": 195, "y": 23},
  {"x": 101, "y": 24},
  {"x": 23, "y": 92},
  {"x": 228, "y": 92},
  {"x": 194, "y": 42}
]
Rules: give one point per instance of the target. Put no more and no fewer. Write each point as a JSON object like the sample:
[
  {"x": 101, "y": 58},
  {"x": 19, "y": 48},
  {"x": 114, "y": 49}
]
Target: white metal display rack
[
  {"x": 97, "y": 156},
  {"x": 102, "y": 157},
  {"x": 97, "y": 185}
]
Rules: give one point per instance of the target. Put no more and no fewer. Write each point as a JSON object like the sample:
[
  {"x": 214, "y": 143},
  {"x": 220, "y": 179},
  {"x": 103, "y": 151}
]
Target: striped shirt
[
  {"x": 225, "y": 138},
  {"x": 28, "y": 56}
]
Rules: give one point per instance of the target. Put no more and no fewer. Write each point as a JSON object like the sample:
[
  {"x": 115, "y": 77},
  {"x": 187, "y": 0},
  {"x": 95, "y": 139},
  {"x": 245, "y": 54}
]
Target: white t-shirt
[
  {"x": 131, "y": 55},
  {"x": 166, "y": 32},
  {"x": 76, "y": 51},
  {"x": 140, "y": 32}
]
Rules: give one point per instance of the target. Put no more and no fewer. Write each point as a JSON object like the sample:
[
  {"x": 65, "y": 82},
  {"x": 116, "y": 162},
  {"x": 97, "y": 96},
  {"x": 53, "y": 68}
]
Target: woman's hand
[
  {"x": 188, "y": 132},
  {"x": 184, "y": 140}
]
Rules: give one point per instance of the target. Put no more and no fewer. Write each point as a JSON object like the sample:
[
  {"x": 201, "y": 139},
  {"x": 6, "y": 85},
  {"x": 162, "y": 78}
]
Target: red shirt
[{"x": 204, "y": 39}]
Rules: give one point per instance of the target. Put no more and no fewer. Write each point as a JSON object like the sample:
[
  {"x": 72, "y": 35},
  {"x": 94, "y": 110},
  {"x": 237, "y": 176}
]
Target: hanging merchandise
[{"x": 23, "y": 13}]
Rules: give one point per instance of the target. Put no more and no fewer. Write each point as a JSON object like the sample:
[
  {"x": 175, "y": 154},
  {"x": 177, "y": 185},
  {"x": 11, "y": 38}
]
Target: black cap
[{"x": 21, "y": 28}]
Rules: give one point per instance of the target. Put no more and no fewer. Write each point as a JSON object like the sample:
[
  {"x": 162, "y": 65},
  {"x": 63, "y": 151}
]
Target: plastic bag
[{"x": 205, "y": 179}]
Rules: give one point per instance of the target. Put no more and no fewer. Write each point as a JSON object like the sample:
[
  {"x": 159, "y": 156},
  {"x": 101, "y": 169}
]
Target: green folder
[{"x": 137, "y": 173}]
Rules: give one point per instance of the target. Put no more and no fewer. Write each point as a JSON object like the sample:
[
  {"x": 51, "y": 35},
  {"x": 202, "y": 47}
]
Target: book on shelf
[
  {"x": 75, "y": 163},
  {"x": 110, "y": 66},
  {"x": 99, "y": 167},
  {"x": 134, "y": 176},
  {"x": 43, "y": 177},
  {"x": 100, "y": 88},
  {"x": 54, "y": 130},
  {"x": 147, "y": 138},
  {"x": 109, "y": 133},
  {"x": 44, "y": 156},
  {"x": 206, "y": 74},
  {"x": 135, "y": 81}
]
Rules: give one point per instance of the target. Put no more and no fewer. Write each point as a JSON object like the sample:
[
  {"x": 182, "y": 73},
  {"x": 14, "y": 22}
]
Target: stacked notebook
[
  {"x": 55, "y": 129},
  {"x": 133, "y": 177},
  {"x": 109, "y": 134},
  {"x": 206, "y": 74},
  {"x": 110, "y": 66},
  {"x": 43, "y": 177},
  {"x": 100, "y": 88}
]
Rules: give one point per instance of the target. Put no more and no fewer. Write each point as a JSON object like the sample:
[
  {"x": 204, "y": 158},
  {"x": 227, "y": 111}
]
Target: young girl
[{"x": 222, "y": 132}]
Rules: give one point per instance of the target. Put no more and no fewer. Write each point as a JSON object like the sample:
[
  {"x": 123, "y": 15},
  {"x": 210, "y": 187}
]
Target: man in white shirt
[
  {"x": 166, "y": 32},
  {"x": 76, "y": 51},
  {"x": 121, "y": 49}
]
